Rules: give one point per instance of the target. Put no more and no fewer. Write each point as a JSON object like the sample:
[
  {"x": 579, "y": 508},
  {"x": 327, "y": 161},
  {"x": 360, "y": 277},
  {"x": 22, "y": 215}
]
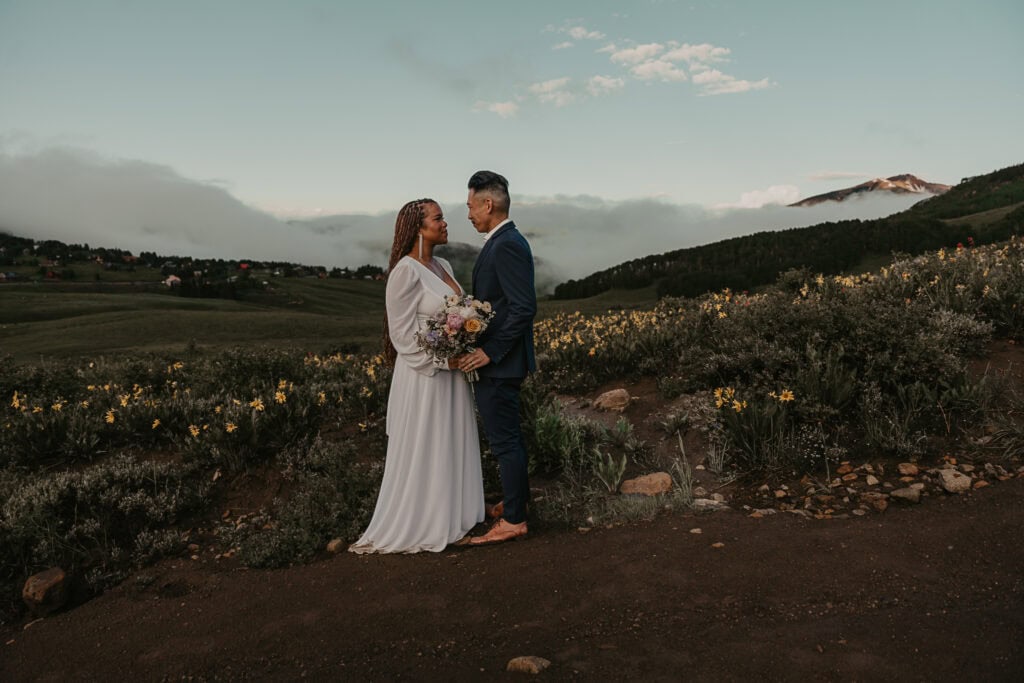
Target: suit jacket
[{"x": 503, "y": 276}]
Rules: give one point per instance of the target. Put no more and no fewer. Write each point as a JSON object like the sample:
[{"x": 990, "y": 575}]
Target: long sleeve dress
[{"x": 432, "y": 492}]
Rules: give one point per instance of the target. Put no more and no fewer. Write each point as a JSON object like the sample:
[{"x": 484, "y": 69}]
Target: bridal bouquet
[{"x": 454, "y": 329}]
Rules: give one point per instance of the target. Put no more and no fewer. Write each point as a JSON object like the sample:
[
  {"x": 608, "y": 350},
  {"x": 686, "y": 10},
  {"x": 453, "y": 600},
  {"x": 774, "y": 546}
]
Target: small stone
[
  {"x": 779, "y": 493},
  {"x": 193, "y": 548},
  {"x": 700, "y": 492},
  {"x": 918, "y": 485},
  {"x": 708, "y": 505},
  {"x": 648, "y": 485},
  {"x": 876, "y": 500},
  {"x": 764, "y": 488},
  {"x": 907, "y": 495},
  {"x": 334, "y": 546},
  {"x": 967, "y": 468},
  {"x": 46, "y": 591},
  {"x": 980, "y": 484},
  {"x": 851, "y": 476},
  {"x": 615, "y": 400},
  {"x": 718, "y": 497},
  {"x": 719, "y": 544},
  {"x": 953, "y": 481},
  {"x": 871, "y": 480},
  {"x": 696, "y": 530},
  {"x": 908, "y": 469},
  {"x": 527, "y": 665},
  {"x": 860, "y": 512},
  {"x": 845, "y": 468}
]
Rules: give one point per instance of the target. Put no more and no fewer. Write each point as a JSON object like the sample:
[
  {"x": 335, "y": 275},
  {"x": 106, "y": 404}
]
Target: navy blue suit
[{"x": 503, "y": 276}]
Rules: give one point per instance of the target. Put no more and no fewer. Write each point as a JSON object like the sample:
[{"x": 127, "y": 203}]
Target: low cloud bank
[{"x": 78, "y": 197}]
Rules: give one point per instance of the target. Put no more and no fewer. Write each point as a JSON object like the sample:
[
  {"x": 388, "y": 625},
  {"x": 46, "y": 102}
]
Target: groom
[{"x": 503, "y": 275}]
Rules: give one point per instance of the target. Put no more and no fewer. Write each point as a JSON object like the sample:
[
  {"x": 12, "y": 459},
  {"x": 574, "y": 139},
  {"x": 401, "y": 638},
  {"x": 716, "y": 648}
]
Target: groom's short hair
[{"x": 493, "y": 184}]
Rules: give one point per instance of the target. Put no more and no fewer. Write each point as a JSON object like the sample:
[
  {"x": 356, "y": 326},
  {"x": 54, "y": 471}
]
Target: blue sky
[{"x": 307, "y": 107}]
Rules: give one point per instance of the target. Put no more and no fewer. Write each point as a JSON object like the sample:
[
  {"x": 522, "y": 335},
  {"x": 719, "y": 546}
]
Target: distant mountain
[
  {"x": 897, "y": 184},
  {"x": 983, "y": 209}
]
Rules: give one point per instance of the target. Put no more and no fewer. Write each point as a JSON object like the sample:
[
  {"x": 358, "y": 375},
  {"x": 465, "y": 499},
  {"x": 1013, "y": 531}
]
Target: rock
[
  {"x": 764, "y": 512},
  {"x": 907, "y": 495},
  {"x": 980, "y": 484},
  {"x": 718, "y": 545},
  {"x": 46, "y": 591},
  {"x": 616, "y": 399},
  {"x": 953, "y": 481},
  {"x": 876, "y": 500},
  {"x": 527, "y": 665},
  {"x": 648, "y": 485},
  {"x": 966, "y": 468},
  {"x": 918, "y": 485},
  {"x": 708, "y": 505},
  {"x": 845, "y": 468},
  {"x": 335, "y": 545},
  {"x": 908, "y": 469},
  {"x": 696, "y": 530},
  {"x": 700, "y": 492},
  {"x": 852, "y": 476},
  {"x": 717, "y": 496},
  {"x": 779, "y": 493},
  {"x": 871, "y": 480}
]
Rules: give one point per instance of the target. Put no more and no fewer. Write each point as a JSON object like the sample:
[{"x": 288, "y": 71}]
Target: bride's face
[{"x": 434, "y": 228}]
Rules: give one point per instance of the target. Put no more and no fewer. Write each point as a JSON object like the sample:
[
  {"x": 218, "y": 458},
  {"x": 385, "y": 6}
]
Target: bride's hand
[{"x": 455, "y": 363}]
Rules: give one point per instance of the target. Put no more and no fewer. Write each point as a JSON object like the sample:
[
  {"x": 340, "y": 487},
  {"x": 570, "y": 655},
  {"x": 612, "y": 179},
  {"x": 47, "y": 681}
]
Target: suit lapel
[{"x": 486, "y": 249}]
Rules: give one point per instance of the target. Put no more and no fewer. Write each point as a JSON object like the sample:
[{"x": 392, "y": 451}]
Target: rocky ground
[{"x": 878, "y": 570}]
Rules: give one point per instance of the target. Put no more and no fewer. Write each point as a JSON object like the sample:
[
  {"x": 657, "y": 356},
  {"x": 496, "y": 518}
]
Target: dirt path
[{"x": 930, "y": 592}]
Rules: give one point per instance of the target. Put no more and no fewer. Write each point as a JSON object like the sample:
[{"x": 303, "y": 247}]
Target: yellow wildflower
[
  {"x": 321, "y": 398},
  {"x": 36, "y": 409},
  {"x": 109, "y": 417},
  {"x": 84, "y": 404},
  {"x": 15, "y": 401},
  {"x": 156, "y": 423},
  {"x": 217, "y": 410},
  {"x": 124, "y": 400},
  {"x": 365, "y": 392},
  {"x": 786, "y": 395},
  {"x": 738, "y": 407},
  {"x": 193, "y": 430},
  {"x": 56, "y": 407},
  {"x": 257, "y": 403},
  {"x": 280, "y": 397},
  {"x": 281, "y": 384}
]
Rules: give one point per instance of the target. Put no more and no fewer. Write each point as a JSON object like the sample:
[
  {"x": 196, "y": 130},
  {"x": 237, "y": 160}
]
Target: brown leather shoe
[
  {"x": 501, "y": 531},
  {"x": 494, "y": 511}
]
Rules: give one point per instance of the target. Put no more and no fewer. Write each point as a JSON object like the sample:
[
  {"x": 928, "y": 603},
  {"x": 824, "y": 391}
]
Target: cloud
[
  {"x": 602, "y": 85},
  {"x": 581, "y": 33},
  {"x": 755, "y": 199},
  {"x": 78, "y": 197},
  {"x": 553, "y": 91},
  {"x": 646, "y": 62},
  {"x": 658, "y": 69},
  {"x": 635, "y": 55},
  {"x": 502, "y": 109},
  {"x": 705, "y": 53},
  {"x": 714, "y": 82}
]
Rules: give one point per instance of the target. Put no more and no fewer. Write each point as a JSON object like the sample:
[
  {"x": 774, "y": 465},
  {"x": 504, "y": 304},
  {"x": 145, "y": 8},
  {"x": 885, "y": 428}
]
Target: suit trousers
[{"x": 497, "y": 399}]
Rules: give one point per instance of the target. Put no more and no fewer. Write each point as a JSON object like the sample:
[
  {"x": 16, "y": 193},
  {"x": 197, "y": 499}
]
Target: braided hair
[{"x": 407, "y": 227}]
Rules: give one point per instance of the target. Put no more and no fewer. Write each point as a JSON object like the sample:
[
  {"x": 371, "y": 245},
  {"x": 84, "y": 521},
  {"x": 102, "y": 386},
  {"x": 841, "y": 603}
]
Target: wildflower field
[{"x": 109, "y": 463}]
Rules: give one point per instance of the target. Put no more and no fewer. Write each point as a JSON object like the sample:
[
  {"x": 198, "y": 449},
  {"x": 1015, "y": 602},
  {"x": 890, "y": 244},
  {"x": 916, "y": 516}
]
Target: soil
[{"x": 774, "y": 588}]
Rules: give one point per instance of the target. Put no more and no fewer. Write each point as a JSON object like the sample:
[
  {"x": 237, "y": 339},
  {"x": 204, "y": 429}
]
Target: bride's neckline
[{"x": 437, "y": 270}]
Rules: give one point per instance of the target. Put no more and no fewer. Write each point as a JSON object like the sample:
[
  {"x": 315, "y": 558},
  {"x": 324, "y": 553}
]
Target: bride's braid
[{"x": 407, "y": 227}]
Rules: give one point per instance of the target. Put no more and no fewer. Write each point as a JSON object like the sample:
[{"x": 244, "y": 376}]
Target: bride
[{"x": 432, "y": 492}]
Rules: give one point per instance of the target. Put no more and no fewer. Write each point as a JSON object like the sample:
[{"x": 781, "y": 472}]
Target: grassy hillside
[{"x": 984, "y": 209}]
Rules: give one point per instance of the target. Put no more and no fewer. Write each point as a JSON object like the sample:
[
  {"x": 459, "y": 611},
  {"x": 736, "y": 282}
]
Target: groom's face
[{"x": 479, "y": 206}]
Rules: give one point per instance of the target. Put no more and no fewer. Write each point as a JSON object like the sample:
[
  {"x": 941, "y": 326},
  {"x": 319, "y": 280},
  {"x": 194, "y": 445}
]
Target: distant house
[{"x": 173, "y": 281}]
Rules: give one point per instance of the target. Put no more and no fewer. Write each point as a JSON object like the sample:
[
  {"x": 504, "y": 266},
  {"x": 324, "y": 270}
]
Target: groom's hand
[{"x": 474, "y": 361}]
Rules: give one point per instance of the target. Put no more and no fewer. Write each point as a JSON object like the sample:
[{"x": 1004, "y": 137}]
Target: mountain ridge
[{"x": 904, "y": 183}]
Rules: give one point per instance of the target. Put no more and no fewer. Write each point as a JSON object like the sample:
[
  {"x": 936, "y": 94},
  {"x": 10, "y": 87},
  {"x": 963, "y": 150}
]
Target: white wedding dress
[{"x": 432, "y": 493}]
